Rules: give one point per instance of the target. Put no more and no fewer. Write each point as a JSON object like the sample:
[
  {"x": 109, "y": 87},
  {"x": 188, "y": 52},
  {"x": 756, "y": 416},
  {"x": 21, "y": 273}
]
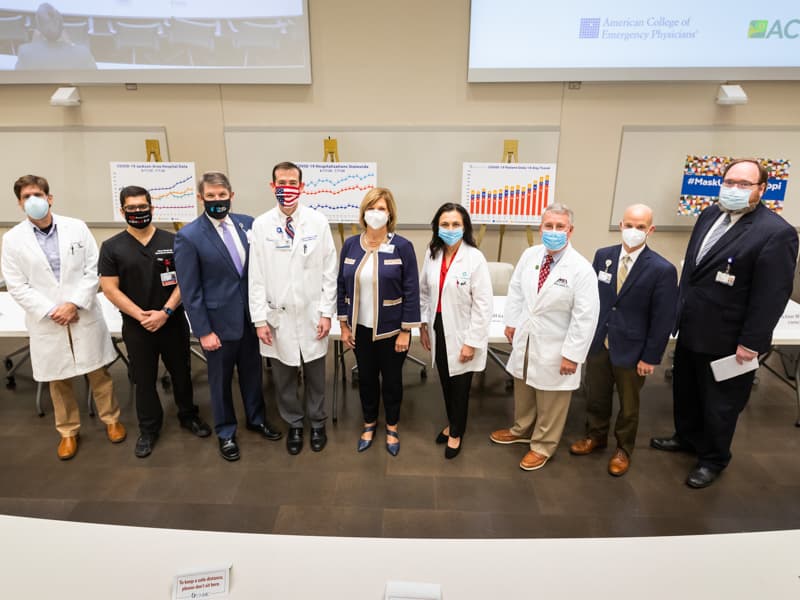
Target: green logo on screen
[
  {"x": 758, "y": 29},
  {"x": 787, "y": 30}
]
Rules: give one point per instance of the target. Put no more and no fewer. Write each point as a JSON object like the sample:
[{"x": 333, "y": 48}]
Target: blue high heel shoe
[
  {"x": 392, "y": 447},
  {"x": 364, "y": 444}
]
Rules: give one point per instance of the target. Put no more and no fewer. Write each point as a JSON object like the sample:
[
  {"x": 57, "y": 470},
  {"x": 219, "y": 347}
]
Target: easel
[
  {"x": 510, "y": 155},
  {"x": 330, "y": 147}
]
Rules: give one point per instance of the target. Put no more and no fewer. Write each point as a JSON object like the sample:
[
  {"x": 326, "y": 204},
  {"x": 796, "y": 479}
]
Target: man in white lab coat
[
  {"x": 49, "y": 263},
  {"x": 292, "y": 285},
  {"x": 551, "y": 313}
]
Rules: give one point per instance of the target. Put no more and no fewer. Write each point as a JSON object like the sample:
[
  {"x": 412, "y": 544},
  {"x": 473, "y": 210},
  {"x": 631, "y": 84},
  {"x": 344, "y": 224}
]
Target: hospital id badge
[
  {"x": 169, "y": 278},
  {"x": 725, "y": 278},
  {"x": 387, "y": 248},
  {"x": 604, "y": 277}
]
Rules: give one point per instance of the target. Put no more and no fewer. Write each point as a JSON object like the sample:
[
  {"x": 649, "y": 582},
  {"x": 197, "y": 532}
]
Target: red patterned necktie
[{"x": 544, "y": 271}]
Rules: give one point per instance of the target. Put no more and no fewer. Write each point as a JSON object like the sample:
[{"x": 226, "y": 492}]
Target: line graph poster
[
  {"x": 702, "y": 177},
  {"x": 337, "y": 189},
  {"x": 507, "y": 193},
  {"x": 171, "y": 186}
]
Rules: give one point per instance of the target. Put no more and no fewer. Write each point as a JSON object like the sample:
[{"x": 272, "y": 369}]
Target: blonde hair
[{"x": 369, "y": 201}]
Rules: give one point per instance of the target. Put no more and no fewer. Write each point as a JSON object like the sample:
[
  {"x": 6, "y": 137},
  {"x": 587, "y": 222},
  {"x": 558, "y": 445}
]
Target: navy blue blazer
[
  {"x": 638, "y": 321},
  {"x": 213, "y": 292},
  {"x": 397, "y": 305},
  {"x": 713, "y": 318}
]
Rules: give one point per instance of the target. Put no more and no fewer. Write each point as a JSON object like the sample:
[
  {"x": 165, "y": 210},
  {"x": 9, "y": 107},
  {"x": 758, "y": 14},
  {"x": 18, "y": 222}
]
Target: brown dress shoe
[
  {"x": 532, "y": 461},
  {"x": 619, "y": 463},
  {"x": 67, "y": 447},
  {"x": 116, "y": 432},
  {"x": 586, "y": 446},
  {"x": 504, "y": 436}
]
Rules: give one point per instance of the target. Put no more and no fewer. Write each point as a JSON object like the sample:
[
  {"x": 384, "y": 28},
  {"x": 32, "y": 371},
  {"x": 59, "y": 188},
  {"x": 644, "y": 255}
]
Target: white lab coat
[
  {"x": 466, "y": 305},
  {"x": 31, "y": 282},
  {"x": 559, "y": 321},
  {"x": 292, "y": 285}
]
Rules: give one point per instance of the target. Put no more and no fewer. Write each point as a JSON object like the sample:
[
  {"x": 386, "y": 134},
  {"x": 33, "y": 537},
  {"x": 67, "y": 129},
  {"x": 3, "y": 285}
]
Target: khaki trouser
[
  {"x": 540, "y": 414},
  {"x": 65, "y": 406}
]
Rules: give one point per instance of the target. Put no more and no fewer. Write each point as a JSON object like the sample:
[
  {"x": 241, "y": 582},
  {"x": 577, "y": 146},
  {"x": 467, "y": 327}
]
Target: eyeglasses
[
  {"x": 135, "y": 208},
  {"x": 738, "y": 184}
]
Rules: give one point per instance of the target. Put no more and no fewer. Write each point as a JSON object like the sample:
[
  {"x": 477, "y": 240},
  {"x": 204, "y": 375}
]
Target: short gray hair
[{"x": 559, "y": 209}]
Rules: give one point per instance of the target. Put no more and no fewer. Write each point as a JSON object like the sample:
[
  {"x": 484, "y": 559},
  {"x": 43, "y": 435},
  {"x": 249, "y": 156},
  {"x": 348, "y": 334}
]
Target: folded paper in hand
[{"x": 728, "y": 367}]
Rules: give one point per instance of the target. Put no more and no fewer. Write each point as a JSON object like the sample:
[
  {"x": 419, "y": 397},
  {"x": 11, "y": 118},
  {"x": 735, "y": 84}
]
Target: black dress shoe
[
  {"x": 144, "y": 444},
  {"x": 229, "y": 449},
  {"x": 267, "y": 431},
  {"x": 450, "y": 453},
  {"x": 670, "y": 444},
  {"x": 701, "y": 477},
  {"x": 197, "y": 426},
  {"x": 441, "y": 438},
  {"x": 294, "y": 441},
  {"x": 318, "y": 438}
]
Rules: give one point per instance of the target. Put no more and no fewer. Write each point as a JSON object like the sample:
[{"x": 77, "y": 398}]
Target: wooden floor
[{"x": 185, "y": 484}]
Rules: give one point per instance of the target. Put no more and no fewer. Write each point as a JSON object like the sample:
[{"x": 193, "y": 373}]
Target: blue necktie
[{"x": 227, "y": 236}]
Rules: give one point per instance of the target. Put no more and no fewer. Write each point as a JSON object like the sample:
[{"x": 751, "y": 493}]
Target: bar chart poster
[
  {"x": 337, "y": 189},
  {"x": 171, "y": 186},
  {"x": 507, "y": 193}
]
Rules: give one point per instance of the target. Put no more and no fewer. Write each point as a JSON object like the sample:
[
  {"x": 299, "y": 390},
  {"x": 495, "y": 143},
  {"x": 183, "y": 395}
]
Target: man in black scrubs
[{"x": 137, "y": 274}]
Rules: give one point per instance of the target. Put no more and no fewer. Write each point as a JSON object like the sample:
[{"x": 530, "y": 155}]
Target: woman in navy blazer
[{"x": 378, "y": 305}]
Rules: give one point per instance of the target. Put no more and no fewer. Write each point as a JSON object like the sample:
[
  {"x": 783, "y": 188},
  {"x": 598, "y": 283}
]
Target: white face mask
[
  {"x": 376, "y": 219},
  {"x": 633, "y": 237}
]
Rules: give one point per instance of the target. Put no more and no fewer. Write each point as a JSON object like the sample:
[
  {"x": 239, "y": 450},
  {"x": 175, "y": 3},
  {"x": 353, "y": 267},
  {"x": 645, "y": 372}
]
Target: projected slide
[
  {"x": 171, "y": 185},
  {"x": 152, "y": 41},
  {"x": 337, "y": 189},
  {"x": 507, "y": 193},
  {"x": 585, "y": 40}
]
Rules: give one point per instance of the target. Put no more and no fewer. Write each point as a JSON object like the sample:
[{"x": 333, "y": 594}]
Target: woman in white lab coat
[{"x": 456, "y": 305}]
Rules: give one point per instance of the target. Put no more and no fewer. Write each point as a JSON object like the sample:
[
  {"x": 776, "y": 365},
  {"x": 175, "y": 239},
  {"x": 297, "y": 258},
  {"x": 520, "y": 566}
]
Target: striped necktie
[
  {"x": 289, "y": 228},
  {"x": 713, "y": 237},
  {"x": 622, "y": 274}
]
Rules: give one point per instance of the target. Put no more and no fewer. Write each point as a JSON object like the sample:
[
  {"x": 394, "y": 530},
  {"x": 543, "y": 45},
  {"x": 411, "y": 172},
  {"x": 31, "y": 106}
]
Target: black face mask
[
  {"x": 217, "y": 209},
  {"x": 138, "y": 220}
]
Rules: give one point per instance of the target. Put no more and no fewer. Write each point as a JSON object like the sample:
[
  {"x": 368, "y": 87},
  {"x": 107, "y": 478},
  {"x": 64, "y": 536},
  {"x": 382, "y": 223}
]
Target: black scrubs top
[{"x": 140, "y": 269}]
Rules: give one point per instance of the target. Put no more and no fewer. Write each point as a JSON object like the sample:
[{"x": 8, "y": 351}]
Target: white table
[{"x": 57, "y": 559}]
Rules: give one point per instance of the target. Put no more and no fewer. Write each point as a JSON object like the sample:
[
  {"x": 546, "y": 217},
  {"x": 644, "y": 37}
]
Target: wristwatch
[{"x": 168, "y": 310}]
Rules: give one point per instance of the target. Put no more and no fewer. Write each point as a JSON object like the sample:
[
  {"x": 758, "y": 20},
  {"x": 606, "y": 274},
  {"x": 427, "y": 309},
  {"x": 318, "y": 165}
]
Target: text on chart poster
[
  {"x": 171, "y": 186},
  {"x": 337, "y": 189},
  {"x": 702, "y": 177},
  {"x": 507, "y": 193}
]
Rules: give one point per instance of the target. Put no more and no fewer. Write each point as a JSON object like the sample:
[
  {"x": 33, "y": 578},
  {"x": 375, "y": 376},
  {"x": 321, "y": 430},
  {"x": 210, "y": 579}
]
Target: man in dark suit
[
  {"x": 638, "y": 289},
  {"x": 211, "y": 260},
  {"x": 736, "y": 280}
]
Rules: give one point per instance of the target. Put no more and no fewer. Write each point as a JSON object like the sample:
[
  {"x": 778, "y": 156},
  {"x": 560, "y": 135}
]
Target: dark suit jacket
[
  {"x": 713, "y": 318},
  {"x": 638, "y": 321},
  {"x": 213, "y": 293}
]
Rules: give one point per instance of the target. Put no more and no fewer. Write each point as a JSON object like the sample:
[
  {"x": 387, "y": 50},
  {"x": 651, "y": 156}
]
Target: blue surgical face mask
[
  {"x": 450, "y": 236},
  {"x": 732, "y": 198},
  {"x": 554, "y": 240},
  {"x": 36, "y": 207}
]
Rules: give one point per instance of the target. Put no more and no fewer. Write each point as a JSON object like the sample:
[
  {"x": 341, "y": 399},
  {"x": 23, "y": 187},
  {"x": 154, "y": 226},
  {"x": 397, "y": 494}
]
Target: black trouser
[
  {"x": 171, "y": 343},
  {"x": 376, "y": 358},
  {"x": 705, "y": 410},
  {"x": 455, "y": 389}
]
